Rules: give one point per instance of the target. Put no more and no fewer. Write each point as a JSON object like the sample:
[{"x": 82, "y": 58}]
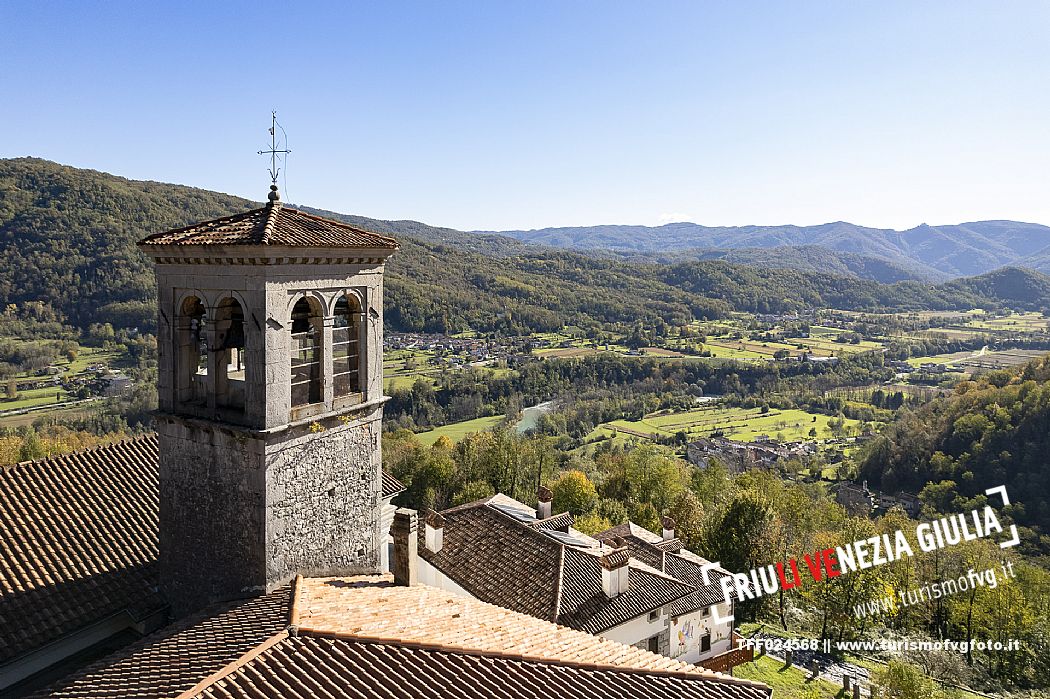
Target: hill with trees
[
  {"x": 993, "y": 430},
  {"x": 68, "y": 236}
]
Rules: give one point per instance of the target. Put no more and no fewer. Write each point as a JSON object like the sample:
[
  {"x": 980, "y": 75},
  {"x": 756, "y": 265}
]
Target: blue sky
[{"x": 505, "y": 115}]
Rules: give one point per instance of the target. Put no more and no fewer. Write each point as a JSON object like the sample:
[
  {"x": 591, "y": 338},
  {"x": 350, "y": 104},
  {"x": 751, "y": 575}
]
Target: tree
[
  {"x": 12, "y": 390},
  {"x": 591, "y": 523},
  {"x": 900, "y": 680},
  {"x": 574, "y": 493},
  {"x": 473, "y": 491},
  {"x": 688, "y": 515},
  {"x": 32, "y": 447}
]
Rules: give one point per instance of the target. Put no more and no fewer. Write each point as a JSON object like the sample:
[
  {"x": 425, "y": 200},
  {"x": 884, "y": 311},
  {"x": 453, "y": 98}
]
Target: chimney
[
  {"x": 406, "y": 543},
  {"x": 668, "y": 528},
  {"x": 615, "y": 572},
  {"x": 544, "y": 496},
  {"x": 435, "y": 531}
]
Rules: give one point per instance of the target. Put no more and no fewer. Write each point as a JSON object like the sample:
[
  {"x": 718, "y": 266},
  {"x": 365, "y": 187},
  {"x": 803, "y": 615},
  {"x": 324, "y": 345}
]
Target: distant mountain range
[
  {"x": 928, "y": 253},
  {"x": 67, "y": 237}
]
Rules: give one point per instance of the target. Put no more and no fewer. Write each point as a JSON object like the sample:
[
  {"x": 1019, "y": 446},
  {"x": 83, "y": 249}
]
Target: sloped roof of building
[
  {"x": 79, "y": 542},
  {"x": 341, "y": 667},
  {"x": 274, "y": 225},
  {"x": 585, "y": 606},
  {"x": 497, "y": 560},
  {"x": 366, "y": 637},
  {"x": 178, "y": 658},
  {"x": 499, "y": 552},
  {"x": 670, "y": 557}
]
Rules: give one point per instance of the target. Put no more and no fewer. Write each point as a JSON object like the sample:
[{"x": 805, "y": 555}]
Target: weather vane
[{"x": 274, "y": 151}]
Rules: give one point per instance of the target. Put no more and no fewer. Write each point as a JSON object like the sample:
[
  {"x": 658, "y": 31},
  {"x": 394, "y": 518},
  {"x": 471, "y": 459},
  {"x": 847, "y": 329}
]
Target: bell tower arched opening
[{"x": 307, "y": 352}]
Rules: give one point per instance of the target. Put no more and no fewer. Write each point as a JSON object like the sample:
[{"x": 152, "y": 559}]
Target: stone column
[
  {"x": 327, "y": 379},
  {"x": 214, "y": 358},
  {"x": 360, "y": 329}
]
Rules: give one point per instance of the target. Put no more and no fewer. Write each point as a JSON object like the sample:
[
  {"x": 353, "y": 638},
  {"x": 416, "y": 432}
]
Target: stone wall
[
  {"x": 324, "y": 499},
  {"x": 212, "y": 513},
  {"x": 241, "y": 514}
]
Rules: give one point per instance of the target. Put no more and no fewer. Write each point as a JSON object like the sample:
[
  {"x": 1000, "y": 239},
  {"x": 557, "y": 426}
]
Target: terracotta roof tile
[
  {"x": 78, "y": 542},
  {"x": 373, "y": 608},
  {"x": 364, "y": 636},
  {"x": 497, "y": 560},
  {"x": 177, "y": 658},
  {"x": 674, "y": 560},
  {"x": 585, "y": 606},
  {"x": 336, "y": 667},
  {"x": 273, "y": 225},
  {"x": 391, "y": 486},
  {"x": 495, "y": 551}
]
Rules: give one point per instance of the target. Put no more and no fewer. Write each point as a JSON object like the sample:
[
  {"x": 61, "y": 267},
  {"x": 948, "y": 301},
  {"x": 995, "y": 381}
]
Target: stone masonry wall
[
  {"x": 212, "y": 514},
  {"x": 324, "y": 496}
]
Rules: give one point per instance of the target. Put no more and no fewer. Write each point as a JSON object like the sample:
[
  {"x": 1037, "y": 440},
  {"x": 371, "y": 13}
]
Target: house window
[
  {"x": 706, "y": 611},
  {"x": 346, "y": 342},
  {"x": 654, "y": 644},
  {"x": 705, "y": 643},
  {"x": 654, "y": 615},
  {"x": 306, "y": 353}
]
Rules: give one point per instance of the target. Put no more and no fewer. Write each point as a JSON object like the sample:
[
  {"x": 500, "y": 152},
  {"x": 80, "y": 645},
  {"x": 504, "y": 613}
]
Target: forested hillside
[
  {"x": 994, "y": 430},
  {"x": 68, "y": 235}
]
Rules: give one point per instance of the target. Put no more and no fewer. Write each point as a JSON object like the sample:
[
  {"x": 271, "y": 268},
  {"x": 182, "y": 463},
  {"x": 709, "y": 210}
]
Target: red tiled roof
[
  {"x": 78, "y": 542},
  {"x": 364, "y": 636},
  {"x": 274, "y": 224},
  {"x": 336, "y": 667}
]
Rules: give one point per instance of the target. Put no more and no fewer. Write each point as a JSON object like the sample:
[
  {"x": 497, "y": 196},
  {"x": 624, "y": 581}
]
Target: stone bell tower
[{"x": 270, "y": 386}]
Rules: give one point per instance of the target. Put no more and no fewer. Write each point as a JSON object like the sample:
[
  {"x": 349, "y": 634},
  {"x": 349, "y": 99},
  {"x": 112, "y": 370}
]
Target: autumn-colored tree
[{"x": 574, "y": 493}]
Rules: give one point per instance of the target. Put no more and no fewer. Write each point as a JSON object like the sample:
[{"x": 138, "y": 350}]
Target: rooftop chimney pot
[
  {"x": 615, "y": 572},
  {"x": 435, "y": 531},
  {"x": 668, "y": 525},
  {"x": 544, "y": 496}
]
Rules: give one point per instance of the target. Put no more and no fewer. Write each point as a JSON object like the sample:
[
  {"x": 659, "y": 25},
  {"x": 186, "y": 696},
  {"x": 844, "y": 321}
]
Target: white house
[{"x": 627, "y": 584}]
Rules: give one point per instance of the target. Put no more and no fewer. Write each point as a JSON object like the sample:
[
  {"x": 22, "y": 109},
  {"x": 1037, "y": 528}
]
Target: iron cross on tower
[{"x": 274, "y": 151}]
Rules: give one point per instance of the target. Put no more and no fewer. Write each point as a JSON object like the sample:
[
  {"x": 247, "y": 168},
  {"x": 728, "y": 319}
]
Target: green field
[
  {"x": 33, "y": 397},
  {"x": 458, "y": 430},
  {"x": 739, "y": 424},
  {"x": 787, "y": 682}
]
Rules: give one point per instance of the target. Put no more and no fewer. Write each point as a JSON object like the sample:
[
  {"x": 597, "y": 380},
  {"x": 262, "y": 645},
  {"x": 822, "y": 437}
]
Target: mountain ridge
[
  {"x": 68, "y": 236},
  {"x": 948, "y": 251}
]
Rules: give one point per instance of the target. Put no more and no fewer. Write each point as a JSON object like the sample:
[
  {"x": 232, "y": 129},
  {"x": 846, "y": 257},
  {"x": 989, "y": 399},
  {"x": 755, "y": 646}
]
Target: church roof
[
  {"x": 275, "y": 225},
  {"x": 364, "y": 636},
  {"x": 79, "y": 542}
]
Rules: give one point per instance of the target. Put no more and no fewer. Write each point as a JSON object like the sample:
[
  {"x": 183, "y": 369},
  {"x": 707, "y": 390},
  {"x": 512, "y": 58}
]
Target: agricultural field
[
  {"x": 982, "y": 360},
  {"x": 458, "y": 430},
  {"x": 402, "y": 368},
  {"x": 738, "y": 424}
]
